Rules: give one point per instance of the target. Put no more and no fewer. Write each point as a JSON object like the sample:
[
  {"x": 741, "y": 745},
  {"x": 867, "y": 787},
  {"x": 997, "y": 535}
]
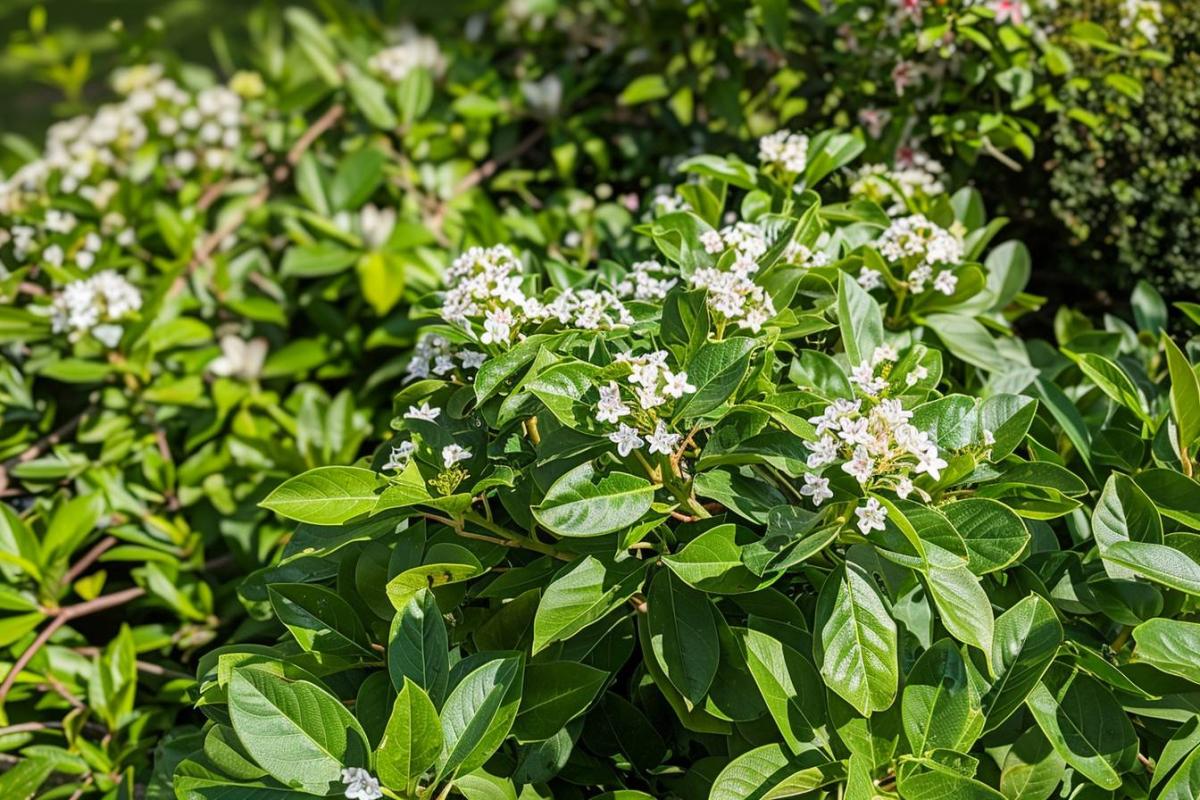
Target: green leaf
[
  {"x": 577, "y": 504},
  {"x": 478, "y": 715},
  {"x": 582, "y": 593},
  {"x": 1171, "y": 645},
  {"x": 963, "y": 606},
  {"x": 1124, "y": 513},
  {"x": 643, "y": 89},
  {"x": 855, "y": 640},
  {"x": 790, "y": 687},
  {"x": 683, "y": 634},
  {"x": 770, "y": 772},
  {"x": 402, "y": 588},
  {"x": 555, "y": 693},
  {"x": 940, "y": 705},
  {"x": 859, "y": 319},
  {"x": 296, "y": 731},
  {"x": 319, "y": 619},
  {"x": 1158, "y": 562},
  {"x": 418, "y": 646},
  {"x": 1175, "y": 495},
  {"x": 412, "y": 741},
  {"x": 716, "y": 371},
  {"x": 1184, "y": 783},
  {"x": 1032, "y": 769},
  {"x": 1185, "y": 396},
  {"x": 1085, "y": 724},
  {"x": 1026, "y": 640},
  {"x": 357, "y": 177},
  {"x": 325, "y": 495},
  {"x": 712, "y": 562},
  {"x": 995, "y": 537}
]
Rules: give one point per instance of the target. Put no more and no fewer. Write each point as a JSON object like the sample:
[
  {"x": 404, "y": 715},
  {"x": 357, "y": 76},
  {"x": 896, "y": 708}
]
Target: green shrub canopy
[{"x": 422, "y": 417}]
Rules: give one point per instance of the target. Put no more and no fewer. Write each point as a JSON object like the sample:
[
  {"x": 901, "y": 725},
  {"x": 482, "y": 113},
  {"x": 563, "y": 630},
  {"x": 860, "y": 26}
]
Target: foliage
[
  {"x": 748, "y": 521},
  {"x": 745, "y": 486},
  {"x": 1125, "y": 180}
]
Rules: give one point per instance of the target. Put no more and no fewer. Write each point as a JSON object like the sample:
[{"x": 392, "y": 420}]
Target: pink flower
[
  {"x": 873, "y": 120},
  {"x": 1009, "y": 11}
]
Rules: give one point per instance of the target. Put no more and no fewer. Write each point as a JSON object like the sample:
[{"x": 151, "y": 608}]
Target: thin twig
[
  {"x": 481, "y": 173},
  {"x": 62, "y": 618},
  {"x": 210, "y": 244},
  {"x": 88, "y": 559},
  {"x": 29, "y": 727}
]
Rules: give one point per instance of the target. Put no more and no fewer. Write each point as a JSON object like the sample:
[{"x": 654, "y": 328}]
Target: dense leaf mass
[{"x": 592, "y": 400}]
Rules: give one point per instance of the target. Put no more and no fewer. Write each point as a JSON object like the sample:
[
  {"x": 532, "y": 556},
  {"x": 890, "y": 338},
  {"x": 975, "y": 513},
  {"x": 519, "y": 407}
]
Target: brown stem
[
  {"x": 88, "y": 559},
  {"x": 213, "y": 240},
  {"x": 29, "y": 727},
  {"x": 64, "y": 616}
]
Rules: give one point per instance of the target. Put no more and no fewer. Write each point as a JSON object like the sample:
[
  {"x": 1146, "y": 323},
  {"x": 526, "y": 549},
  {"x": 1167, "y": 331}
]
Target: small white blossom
[
  {"x": 676, "y": 384},
  {"x": 904, "y": 487},
  {"x": 861, "y": 467},
  {"x": 453, "y": 453},
  {"x": 884, "y": 353},
  {"x": 929, "y": 461},
  {"x": 610, "y": 408},
  {"x": 816, "y": 487},
  {"x": 399, "y": 457},
  {"x": 360, "y": 784},
  {"x": 871, "y": 516},
  {"x": 784, "y": 149},
  {"x": 869, "y": 278},
  {"x": 663, "y": 441},
  {"x": 626, "y": 439},
  {"x": 424, "y": 412},
  {"x": 824, "y": 452},
  {"x": 916, "y": 375},
  {"x": 945, "y": 282}
]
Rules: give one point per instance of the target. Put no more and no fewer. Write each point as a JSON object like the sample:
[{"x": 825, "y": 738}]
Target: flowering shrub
[
  {"x": 745, "y": 485},
  {"x": 737, "y": 537}
]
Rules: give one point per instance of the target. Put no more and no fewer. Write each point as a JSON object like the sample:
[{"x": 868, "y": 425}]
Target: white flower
[
  {"x": 108, "y": 334},
  {"x": 453, "y": 453},
  {"x": 816, "y": 487},
  {"x": 824, "y": 452},
  {"x": 360, "y": 784},
  {"x": 662, "y": 440},
  {"x": 871, "y": 516},
  {"x": 425, "y": 412},
  {"x": 989, "y": 438},
  {"x": 904, "y": 487},
  {"x": 712, "y": 242},
  {"x": 413, "y": 52},
  {"x": 472, "y": 359},
  {"x": 610, "y": 408},
  {"x": 916, "y": 237},
  {"x": 53, "y": 255},
  {"x": 626, "y": 439},
  {"x": 861, "y": 466},
  {"x": 400, "y": 455},
  {"x": 929, "y": 461},
  {"x": 884, "y": 353},
  {"x": 870, "y": 278},
  {"x": 676, "y": 384},
  {"x": 945, "y": 282},
  {"x": 240, "y": 358},
  {"x": 785, "y": 149},
  {"x": 863, "y": 376},
  {"x": 916, "y": 375}
]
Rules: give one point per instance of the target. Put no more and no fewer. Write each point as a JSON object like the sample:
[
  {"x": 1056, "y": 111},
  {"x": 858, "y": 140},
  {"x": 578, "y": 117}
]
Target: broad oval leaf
[
  {"x": 855, "y": 640},
  {"x": 326, "y": 495},
  {"x": 577, "y": 504}
]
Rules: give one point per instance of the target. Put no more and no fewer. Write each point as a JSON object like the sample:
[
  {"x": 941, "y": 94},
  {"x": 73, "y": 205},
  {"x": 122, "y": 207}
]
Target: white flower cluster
[
  {"x": 643, "y": 281},
  {"x": 485, "y": 285},
  {"x": 95, "y": 305},
  {"x": 59, "y": 239},
  {"x": 784, "y": 149},
  {"x": 1143, "y": 16},
  {"x": 922, "y": 245},
  {"x": 360, "y": 784},
  {"x": 803, "y": 256},
  {"x": 194, "y": 129},
  {"x": 921, "y": 176},
  {"x": 732, "y": 292},
  {"x": 652, "y": 384},
  {"x": 413, "y": 51},
  {"x": 435, "y": 355},
  {"x": 872, "y": 440}
]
